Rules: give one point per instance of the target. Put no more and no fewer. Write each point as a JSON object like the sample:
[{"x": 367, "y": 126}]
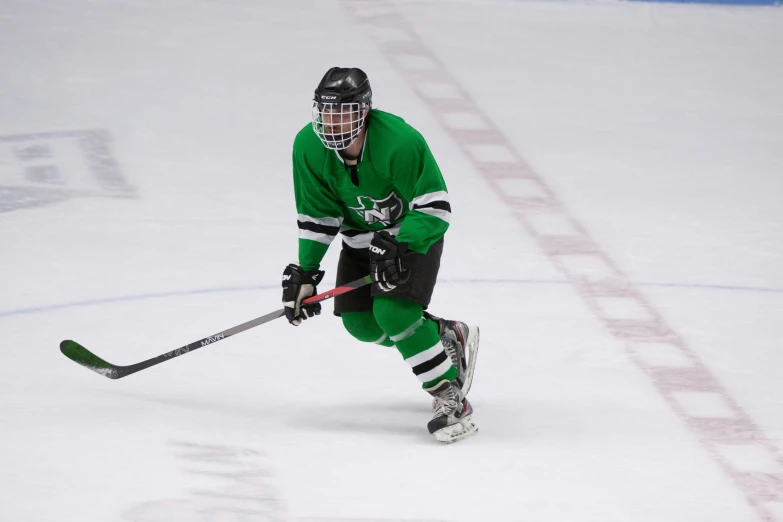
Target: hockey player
[{"x": 370, "y": 176}]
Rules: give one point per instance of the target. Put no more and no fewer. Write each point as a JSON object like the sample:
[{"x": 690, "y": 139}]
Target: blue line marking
[
  {"x": 248, "y": 288},
  {"x": 129, "y": 298},
  {"x": 714, "y": 287}
]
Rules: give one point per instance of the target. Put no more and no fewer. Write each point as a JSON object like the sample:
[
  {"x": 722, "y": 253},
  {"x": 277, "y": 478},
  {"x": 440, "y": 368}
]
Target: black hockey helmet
[
  {"x": 341, "y": 85},
  {"x": 340, "y": 106}
]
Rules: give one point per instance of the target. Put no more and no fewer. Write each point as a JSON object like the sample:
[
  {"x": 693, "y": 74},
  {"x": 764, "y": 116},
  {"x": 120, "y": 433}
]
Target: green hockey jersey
[{"x": 400, "y": 189}]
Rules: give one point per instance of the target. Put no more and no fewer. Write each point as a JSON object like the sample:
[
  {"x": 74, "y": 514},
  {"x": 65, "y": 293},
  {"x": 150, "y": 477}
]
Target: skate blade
[
  {"x": 463, "y": 430},
  {"x": 471, "y": 347}
]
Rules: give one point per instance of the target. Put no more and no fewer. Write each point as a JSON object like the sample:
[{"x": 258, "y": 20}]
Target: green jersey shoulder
[{"x": 396, "y": 186}]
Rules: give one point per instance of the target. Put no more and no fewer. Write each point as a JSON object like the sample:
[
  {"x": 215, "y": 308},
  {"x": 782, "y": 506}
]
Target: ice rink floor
[{"x": 616, "y": 179}]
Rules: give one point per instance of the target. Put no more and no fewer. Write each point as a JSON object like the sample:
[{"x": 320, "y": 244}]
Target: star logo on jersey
[{"x": 383, "y": 211}]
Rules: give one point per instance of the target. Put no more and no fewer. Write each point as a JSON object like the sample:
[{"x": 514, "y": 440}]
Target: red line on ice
[{"x": 507, "y": 172}]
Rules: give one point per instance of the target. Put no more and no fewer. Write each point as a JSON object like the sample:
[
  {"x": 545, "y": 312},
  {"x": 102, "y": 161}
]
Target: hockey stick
[{"x": 86, "y": 358}]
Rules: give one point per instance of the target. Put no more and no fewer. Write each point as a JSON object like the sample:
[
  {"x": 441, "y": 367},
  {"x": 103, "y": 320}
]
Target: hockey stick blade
[{"x": 81, "y": 355}]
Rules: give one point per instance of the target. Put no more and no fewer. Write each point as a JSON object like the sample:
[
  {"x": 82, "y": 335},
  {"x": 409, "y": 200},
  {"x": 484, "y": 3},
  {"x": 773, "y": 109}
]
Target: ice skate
[
  {"x": 461, "y": 343},
  {"x": 452, "y": 414}
]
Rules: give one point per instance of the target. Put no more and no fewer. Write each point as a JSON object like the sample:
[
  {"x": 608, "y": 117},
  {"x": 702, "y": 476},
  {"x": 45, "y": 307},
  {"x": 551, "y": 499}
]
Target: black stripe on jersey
[
  {"x": 320, "y": 229},
  {"x": 353, "y": 233},
  {"x": 440, "y": 205},
  {"x": 350, "y": 232},
  {"x": 429, "y": 365}
]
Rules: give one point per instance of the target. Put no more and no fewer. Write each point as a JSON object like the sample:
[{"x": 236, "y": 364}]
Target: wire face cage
[{"x": 338, "y": 124}]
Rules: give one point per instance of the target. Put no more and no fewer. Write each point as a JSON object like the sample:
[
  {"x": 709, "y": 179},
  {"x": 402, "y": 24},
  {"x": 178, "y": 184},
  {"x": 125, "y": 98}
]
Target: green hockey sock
[{"x": 416, "y": 338}]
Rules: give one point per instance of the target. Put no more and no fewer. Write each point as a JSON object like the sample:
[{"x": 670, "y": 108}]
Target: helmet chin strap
[
  {"x": 350, "y": 157},
  {"x": 344, "y": 144},
  {"x": 360, "y": 136},
  {"x": 344, "y": 155}
]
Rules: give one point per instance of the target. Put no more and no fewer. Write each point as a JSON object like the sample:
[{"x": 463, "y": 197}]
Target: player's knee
[
  {"x": 362, "y": 326},
  {"x": 395, "y": 315}
]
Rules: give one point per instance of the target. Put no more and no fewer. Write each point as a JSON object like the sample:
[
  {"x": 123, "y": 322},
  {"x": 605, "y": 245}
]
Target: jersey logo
[{"x": 383, "y": 211}]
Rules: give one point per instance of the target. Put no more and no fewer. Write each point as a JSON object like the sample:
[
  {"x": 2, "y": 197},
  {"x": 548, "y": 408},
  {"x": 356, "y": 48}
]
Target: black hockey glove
[
  {"x": 386, "y": 267},
  {"x": 297, "y": 286}
]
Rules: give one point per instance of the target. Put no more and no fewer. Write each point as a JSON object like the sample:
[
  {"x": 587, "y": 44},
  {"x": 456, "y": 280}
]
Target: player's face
[
  {"x": 340, "y": 119},
  {"x": 338, "y": 124}
]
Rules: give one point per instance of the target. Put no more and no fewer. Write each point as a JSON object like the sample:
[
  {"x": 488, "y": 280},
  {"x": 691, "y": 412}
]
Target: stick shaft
[{"x": 81, "y": 355}]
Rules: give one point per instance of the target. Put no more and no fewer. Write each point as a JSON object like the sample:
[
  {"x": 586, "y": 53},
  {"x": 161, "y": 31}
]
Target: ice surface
[{"x": 146, "y": 202}]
